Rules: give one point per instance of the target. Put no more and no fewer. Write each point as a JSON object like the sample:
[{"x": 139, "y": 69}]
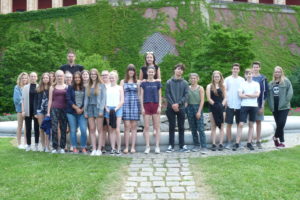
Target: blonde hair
[
  {"x": 98, "y": 81},
  {"x": 221, "y": 84},
  {"x": 56, "y": 74},
  {"x": 282, "y": 78},
  {"x": 19, "y": 79},
  {"x": 194, "y": 74},
  {"x": 42, "y": 86},
  {"x": 114, "y": 73}
]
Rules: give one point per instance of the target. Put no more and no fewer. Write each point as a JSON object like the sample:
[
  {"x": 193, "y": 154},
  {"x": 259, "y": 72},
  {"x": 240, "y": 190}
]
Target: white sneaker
[
  {"x": 28, "y": 148},
  {"x": 47, "y": 150},
  {"x": 157, "y": 150},
  {"x": 35, "y": 148},
  {"x": 62, "y": 151},
  {"x": 98, "y": 153},
  {"x": 147, "y": 150},
  {"x": 54, "y": 151},
  {"x": 93, "y": 153},
  {"x": 21, "y": 146}
]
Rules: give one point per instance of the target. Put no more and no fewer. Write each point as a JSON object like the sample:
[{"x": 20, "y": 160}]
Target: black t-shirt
[
  {"x": 144, "y": 70},
  {"x": 32, "y": 93},
  {"x": 72, "y": 69},
  {"x": 276, "y": 95}
]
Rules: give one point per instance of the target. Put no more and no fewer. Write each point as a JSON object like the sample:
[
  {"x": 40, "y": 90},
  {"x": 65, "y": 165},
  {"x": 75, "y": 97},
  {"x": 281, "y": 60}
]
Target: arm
[
  {"x": 85, "y": 105},
  {"x": 201, "y": 104},
  {"x": 158, "y": 74},
  {"x": 121, "y": 99},
  {"x": 142, "y": 100},
  {"x": 50, "y": 100},
  {"x": 290, "y": 91},
  {"x": 159, "y": 101},
  {"x": 225, "y": 97},
  {"x": 169, "y": 94},
  {"x": 17, "y": 95},
  {"x": 210, "y": 101},
  {"x": 185, "y": 94},
  {"x": 36, "y": 103},
  {"x": 141, "y": 75},
  {"x": 102, "y": 99}
]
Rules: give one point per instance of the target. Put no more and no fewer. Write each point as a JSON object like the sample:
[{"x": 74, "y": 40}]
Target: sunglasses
[{"x": 149, "y": 52}]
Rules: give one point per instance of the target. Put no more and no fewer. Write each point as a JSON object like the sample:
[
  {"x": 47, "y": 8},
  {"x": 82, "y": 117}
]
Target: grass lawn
[
  {"x": 265, "y": 176},
  {"x": 36, "y": 175}
]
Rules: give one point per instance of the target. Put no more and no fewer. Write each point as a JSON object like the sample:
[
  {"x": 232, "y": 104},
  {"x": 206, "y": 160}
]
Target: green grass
[
  {"x": 36, "y": 175},
  {"x": 265, "y": 176}
]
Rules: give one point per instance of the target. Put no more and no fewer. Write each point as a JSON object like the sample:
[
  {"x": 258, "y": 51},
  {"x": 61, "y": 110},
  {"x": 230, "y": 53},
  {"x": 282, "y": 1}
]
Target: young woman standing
[
  {"x": 131, "y": 107},
  {"x": 28, "y": 96},
  {"x": 151, "y": 107},
  {"x": 114, "y": 111},
  {"x": 280, "y": 95},
  {"x": 41, "y": 107},
  {"x": 195, "y": 112},
  {"x": 94, "y": 102},
  {"x": 216, "y": 96},
  {"x": 21, "y": 82},
  {"x": 149, "y": 61},
  {"x": 56, "y": 109}
]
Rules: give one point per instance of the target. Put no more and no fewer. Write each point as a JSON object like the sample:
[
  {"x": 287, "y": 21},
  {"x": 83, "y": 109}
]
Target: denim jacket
[{"x": 18, "y": 98}]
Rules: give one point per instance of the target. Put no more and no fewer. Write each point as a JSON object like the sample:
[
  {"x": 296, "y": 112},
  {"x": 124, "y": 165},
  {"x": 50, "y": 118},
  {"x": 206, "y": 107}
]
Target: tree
[
  {"x": 42, "y": 51},
  {"x": 222, "y": 47}
]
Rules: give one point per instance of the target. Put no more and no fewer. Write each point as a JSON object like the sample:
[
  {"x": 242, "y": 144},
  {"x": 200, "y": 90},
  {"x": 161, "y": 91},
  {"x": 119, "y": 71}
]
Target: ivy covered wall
[{"x": 118, "y": 33}]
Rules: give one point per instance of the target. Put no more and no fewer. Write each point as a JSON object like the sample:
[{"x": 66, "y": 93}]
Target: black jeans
[
  {"x": 28, "y": 127},
  {"x": 171, "y": 114},
  {"x": 280, "y": 117},
  {"x": 58, "y": 115}
]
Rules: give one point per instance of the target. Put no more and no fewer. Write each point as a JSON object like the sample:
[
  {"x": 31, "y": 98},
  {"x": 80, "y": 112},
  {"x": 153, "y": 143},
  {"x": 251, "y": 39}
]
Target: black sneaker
[
  {"x": 170, "y": 149},
  {"x": 195, "y": 149},
  {"x": 235, "y": 147},
  {"x": 213, "y": 147},
  {"x": 250, "y": 147},
  {"x": 112, "y": 152},
  {"x": 184, "y": 149},
  {"x": 221, "y": 147},
  {"x": 103, "y": 150}
]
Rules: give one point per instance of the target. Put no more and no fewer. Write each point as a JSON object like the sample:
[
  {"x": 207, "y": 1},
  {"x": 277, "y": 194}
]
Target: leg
[
  {"x": 42, "y": 134},
  {"x": 282, "y": 117},
  {"x": 19, "y": 129},
  {"x": 92, "y": 131},
  {"x": 180, "y": 122},
  {"x": 28, "y": 129},
  {"x": 133, "y": 134},
  {"x": 54, "y": 127},
  {"x": 156, "y": 128},
  {"x": 99, "y": 121},
  {"x": 146, "y": 130},
  {"x": 36, "y": 130},
  {"x": 112, "y": 136},
  {"x": 258, "y": 130},
  {"x": 213, "y": 128},
  {"x": 118, "y": 135},
  {"x": 200, "y": 128},
  {"x": 63, "y": 128},
  {"x": 222, "y": 133},
  {"x": 239, "y": 132},
  {"x": 73, "y": 126},
  {"x": 191, "y": 114},
  {"x": 127, "y": 127},
  {"x": 250, "y": 132},
  {"x": 83, "y": 126},
  {"x": 172, "y": 123}
]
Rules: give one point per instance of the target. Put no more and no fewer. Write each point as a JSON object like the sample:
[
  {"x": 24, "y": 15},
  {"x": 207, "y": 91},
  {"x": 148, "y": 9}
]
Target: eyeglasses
[{"x": 104, "y": 74}]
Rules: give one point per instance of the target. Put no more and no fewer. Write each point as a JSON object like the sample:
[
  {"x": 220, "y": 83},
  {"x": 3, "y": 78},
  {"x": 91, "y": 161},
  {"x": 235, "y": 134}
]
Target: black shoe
[
  {"x": 213, "y": 147},
  {"x": 221, "y": 147},
  {"x": 235, "y": 147},
  {"x": 250, "y": 147}
]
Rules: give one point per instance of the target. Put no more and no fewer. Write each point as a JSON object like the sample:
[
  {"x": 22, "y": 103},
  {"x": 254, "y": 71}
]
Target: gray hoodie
[{"x": 177, "y": 92}]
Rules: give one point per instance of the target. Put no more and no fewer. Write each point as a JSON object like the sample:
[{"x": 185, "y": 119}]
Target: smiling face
[
  {"x": 235, "y": 70},
  {"x": 112, "y": 79},
  {"x": 149, "y": 59},
  {"x": 178, "y": 72},
  {"x": 105, "y": 77},
  {"x": 277, "y": 73},
  {"x": 248, "y": 75},
  {"x": 94, "y": 75},
  {"x": 255, "y": 68},
  {"x": 24, "y": 79},
  {"x": 71, "y": 57},
  {"x": 77, "y": 79},
  {"x": 216, "y": 77},
  {"x": 150, "y": 73},
  {"x": 33, "y": 77},
  {"x": 131, "y": 73},
  {"x": 46, "y": 79},
  {"x": 60, "y": 76},
  {"x": 69, "y": 78},
  {"x": 194, "y": 79},
  {"x": 85, "y": 76}
]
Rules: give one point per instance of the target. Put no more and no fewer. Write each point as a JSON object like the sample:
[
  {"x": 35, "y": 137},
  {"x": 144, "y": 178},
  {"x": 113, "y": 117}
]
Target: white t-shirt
[
  {"x": 232, "y": 86},
  {"x": 113, "y": 95},
  {"x": 249, "y": 88}
]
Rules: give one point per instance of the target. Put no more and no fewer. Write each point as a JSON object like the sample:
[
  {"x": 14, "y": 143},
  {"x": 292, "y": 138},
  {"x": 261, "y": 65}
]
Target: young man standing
[
  {"x": 263, "y": 83},
  {"x": 232, "y": 84},
  {"x": 176, "y": 95},
  {"x": 71, "y": 66},
  {"x": 249, "y": 92}
]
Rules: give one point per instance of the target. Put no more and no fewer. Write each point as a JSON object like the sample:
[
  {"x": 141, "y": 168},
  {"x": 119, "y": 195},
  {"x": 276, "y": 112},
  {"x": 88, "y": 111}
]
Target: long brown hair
[
  {"x": 74, "y": 85},
  {"x": 221, "y": 83},
  {"x": 98, "y": 81},
  {"x": 42, "y": 86},
  {"x": 154, "y": 59},
  {"x": 130, "y": 67}
]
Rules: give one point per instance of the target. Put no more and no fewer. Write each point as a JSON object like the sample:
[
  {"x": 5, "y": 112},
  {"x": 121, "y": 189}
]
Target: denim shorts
[{"x": 119, "y": 112}]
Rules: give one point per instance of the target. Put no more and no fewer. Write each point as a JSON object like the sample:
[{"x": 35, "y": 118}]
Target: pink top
[{"x": 59, "y": 98}]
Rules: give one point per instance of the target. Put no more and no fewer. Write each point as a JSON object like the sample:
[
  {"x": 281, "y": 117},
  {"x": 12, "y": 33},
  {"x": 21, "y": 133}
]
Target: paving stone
[
  {"x": 129, "y": 196},
  {"x": 129, "y": 189},
  {"x": 178, "y": 189},
  {"x": 159, "y": 161},
  {"x": 172, "y": 161},
  {"x": 189, "y": 183},
  {"x": 173, "y": 165},
  {"x": 131, "y": 184},
  {"x": 148, "y": 196},
  {"x": 185, "y": 164},
  {"x": 172, "y": 173},
  {"x": 138, "y": 165},
  {"x": 146, "y": 173},
  {"x": 188, "y": 178},
  {"x": 158, "y": 183},
  {"x": 137, "y": 178},
  {"x": 186, "y": 169},
  {"x": 172, "y": 169},
  {"x": 162, "y": 189},
  {"x": 191, "y": 188},
  {"x": 156, "y": 178},
  {"x": 159, "y": 173},
  {"x": 161, "y": 169},
  {"x": 177, "y": 195},
  {"x": 158, "y": 165},
  {"x": 194, "y": 195},
  {"x": 163, "y": 196},
  {"x": 147, "y": 169},
  {"x": 145, "y": 184},
  {"x": 134, "y": 169},
  {"x": 144, "y": 189},
  {"x": 173, "y": 178},
  {"x": 147, "y": 162},
  {"x": 173, "y": 183},
  {"x": 132, "y": 173},
  {"x": 186, "y": 173},
  {"x": 183, "y": 160}
]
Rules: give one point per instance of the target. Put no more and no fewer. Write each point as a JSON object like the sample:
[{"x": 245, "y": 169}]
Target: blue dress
[{"x": 131, "y": 106}]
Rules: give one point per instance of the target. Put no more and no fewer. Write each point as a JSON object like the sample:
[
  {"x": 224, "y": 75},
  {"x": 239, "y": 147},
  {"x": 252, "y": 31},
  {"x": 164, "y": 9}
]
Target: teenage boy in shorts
[
  {"x": 263, "y": 83},
  {"x": 176, "y": 95},
  {"x": 232, "y": 84},
  {"x": 249, "y": 92}
]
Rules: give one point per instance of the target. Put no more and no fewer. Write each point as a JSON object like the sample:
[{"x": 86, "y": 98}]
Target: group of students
[{"x": 73, "y": 97}]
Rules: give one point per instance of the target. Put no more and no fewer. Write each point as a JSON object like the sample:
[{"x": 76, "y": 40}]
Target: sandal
[
  {"x": 132, "y": 151},
  {"x": 125, "y": 151}
]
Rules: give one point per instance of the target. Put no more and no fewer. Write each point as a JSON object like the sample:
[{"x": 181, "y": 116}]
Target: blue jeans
[
  {"x": 74, "y": 121},
  {"x": 196, "y": 125}
]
